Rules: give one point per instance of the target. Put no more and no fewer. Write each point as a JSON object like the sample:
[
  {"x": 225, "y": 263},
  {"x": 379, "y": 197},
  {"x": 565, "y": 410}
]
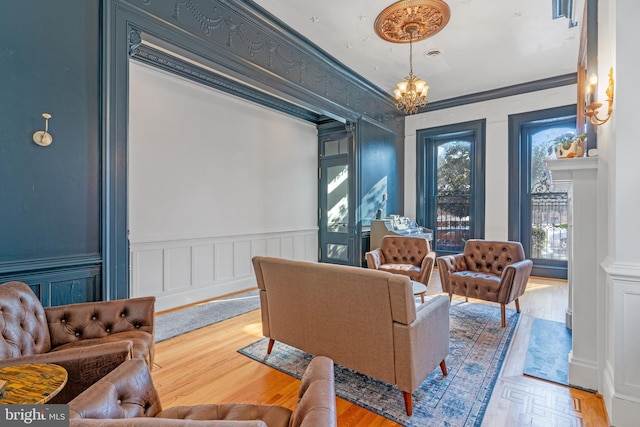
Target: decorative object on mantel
[
  {"x": 567, "y": 146},
  {"x": 591, "y": 110},
  {"x": 409, "y": 21}
]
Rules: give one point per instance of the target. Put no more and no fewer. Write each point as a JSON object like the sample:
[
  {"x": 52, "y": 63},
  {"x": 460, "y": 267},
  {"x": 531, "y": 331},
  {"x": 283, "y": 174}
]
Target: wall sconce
[
  {"x": 43, "y": 137},
  {"x": 591, "y": 110}
]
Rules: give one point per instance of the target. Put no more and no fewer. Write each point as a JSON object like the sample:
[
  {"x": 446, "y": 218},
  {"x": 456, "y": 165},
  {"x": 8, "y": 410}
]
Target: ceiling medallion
[{"x": 426, "y": 16}]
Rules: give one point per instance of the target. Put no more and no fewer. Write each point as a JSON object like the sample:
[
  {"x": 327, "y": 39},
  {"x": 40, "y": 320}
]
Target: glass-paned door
[
  {"x": 334, "y": 203},
  {"x": 453, "y": 194},
  {"x": 450, "y": 194}
]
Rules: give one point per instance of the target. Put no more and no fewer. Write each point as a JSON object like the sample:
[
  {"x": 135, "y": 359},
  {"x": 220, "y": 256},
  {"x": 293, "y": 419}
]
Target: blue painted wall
[{"x": 50, "y": 196}]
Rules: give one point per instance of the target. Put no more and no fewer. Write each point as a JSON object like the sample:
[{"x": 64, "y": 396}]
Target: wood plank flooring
[{"x": 203, "y": 366}]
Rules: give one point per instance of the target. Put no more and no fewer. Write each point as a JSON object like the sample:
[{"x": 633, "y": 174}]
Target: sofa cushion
[
  {"x": 407, "y": 269},
  {"x": 475, "y": 285}
]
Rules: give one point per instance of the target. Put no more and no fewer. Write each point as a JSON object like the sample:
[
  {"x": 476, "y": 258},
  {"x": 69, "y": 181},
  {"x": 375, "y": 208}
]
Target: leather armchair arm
[
  {"x": 514, "y": 280},
  {"x": 426, "y": 267},
  {"x": 375, "y": 259},
  {"x": 84, "y": 365},
  {"x": 423, "y": 344},
  {"x": 449, "y": 264}
]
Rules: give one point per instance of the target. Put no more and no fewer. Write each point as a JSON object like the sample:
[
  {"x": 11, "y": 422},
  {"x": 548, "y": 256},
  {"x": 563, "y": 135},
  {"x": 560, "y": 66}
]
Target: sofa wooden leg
[
  {"x": 443, "y": 366},
  {"x": 503, "y": 315},
  {"x": 270, "y": 347},
  {"x": 407, "y": 402},
  {"x": 450, "y": 296},
  {"x": 517, "y": 305}
]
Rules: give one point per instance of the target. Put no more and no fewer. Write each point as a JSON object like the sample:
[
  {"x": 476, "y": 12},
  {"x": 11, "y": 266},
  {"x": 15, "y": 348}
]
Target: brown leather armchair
[
  {"x": 127, "y": 397},
  {"x": 410, "y": 256},
  {"x": 494, "y": 271},
  {"x": 87, "y": 339}
]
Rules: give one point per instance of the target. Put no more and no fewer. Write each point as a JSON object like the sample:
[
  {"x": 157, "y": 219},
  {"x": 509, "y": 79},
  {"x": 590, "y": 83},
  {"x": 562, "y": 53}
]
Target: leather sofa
[
  {"x": 87, "y": 339},
  {"x": 406, "y": 255},
  {"x": 127, "y": 397},
  {"x": 361, "y": 318},
  {"x": 489, "y": 270}
]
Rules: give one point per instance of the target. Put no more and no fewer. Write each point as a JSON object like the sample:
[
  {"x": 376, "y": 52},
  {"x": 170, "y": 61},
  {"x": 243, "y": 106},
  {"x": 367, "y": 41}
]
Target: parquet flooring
[{"x": 203, "y": 366}]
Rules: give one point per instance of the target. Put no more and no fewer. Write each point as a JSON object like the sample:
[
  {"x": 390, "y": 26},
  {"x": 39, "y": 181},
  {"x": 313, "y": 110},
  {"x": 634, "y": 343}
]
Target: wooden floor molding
[{"x": 203, "y": 366}]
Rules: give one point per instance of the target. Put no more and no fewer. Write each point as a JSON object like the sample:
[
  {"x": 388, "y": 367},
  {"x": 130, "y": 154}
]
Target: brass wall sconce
[
  {"x": 591, "y": 110},
  {"x": 43, "y": 137}
]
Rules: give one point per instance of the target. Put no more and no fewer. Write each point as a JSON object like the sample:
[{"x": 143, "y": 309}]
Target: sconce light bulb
[{"x": 593, "y": 80}]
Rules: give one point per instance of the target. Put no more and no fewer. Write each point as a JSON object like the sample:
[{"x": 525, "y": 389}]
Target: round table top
[
  {"x": 31, "y": 384},
  {"x": 418, "y": 288}
]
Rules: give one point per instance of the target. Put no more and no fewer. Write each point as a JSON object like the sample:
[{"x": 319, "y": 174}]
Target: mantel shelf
[{"x": 580, "y": 163}]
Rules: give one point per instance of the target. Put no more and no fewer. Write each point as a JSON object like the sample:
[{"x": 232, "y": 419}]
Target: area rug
[
  {"x": 477, "y": 349},
  {"x": 548, "y": 352},
  {"x": 207, "y": 313}
]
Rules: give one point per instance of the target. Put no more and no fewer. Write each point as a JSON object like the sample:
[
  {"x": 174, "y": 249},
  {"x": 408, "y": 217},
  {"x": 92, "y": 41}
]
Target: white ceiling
[{"x": 487, "y": 44}]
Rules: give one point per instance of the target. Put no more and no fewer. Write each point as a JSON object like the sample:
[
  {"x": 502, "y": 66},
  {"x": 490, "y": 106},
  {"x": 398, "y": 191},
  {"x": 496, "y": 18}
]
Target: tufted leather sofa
[
  {"x": 410, "y": 256},
  {"x": 127, "y": 397},
  {"x": 494, "y": 271},
  {"x": 87, "y": 339}
]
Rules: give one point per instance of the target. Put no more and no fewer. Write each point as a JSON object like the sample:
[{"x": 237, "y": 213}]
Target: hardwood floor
[{"x": 203, "y": 366}]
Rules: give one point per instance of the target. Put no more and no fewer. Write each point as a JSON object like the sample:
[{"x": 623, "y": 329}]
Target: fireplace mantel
[{"x": 579, "y": 176}]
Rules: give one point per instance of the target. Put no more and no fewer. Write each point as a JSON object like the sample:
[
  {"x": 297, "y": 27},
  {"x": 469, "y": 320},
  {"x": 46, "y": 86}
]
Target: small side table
[
  {"x": 31, "y": 384},
  {"x": 419, "y": 289}
]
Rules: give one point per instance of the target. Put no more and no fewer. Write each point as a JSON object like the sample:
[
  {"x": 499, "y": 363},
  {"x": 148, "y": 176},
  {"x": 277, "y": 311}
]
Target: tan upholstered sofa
[
  {"x": 88, "y": 339},
  {"x": 406, "y": 255},
  {"x": 490, "y": 270},
  {"x": 363, "y": 319},
  {"x": 127, "y": 397}
]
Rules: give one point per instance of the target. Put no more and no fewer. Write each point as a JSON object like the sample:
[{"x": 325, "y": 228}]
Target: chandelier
[
  {"x": 407, "y": 21},
  {"x": 411, "y": 93}
]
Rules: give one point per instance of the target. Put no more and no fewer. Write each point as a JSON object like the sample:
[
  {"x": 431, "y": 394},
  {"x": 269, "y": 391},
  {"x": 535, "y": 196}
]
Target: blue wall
[{"x": 50, "y": 196}]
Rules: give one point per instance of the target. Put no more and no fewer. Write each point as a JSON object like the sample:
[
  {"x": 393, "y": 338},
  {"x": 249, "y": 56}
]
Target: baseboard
[
  {"x": 583, "y": 373},
  {"x": 167, "y": 302}
]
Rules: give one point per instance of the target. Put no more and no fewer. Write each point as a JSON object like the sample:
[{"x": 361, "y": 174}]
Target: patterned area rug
[
  {"x": 198, "y": 316},
  {"x": 477, "y": 349},
  {"x": 548, "y": 352}
]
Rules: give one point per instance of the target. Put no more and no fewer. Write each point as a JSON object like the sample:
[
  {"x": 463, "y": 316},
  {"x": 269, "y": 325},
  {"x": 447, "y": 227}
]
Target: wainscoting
[{"x": 183, "y": 271}]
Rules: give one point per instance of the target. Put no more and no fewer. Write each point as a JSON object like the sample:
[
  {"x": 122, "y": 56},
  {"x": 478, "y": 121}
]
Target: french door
[
  {"x": 450, "y": 184},
  {"x": 335, "y": 215}
]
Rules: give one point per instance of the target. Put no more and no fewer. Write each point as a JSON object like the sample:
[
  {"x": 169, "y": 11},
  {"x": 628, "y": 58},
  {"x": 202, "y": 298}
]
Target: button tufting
[
  {"x": 63, "y": 320},
  {"x": 77, "y": 334},
  {"x": 93, "y": 318},
  {"x": 122, "y": 315}
]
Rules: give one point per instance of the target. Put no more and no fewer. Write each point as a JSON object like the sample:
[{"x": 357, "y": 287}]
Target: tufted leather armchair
[
  {"x": 494, "y": 271},
  {"x": 410, "y": 256},
  {"x": 87, "y": 339},
  {"x": 127, "y": 397}
]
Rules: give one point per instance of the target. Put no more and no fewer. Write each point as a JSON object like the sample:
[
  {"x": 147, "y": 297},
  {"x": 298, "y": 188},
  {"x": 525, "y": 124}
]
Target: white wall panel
[
  {"x": 177, "y": 263},
  {"x": 150, "y": 272},
  {"x": 203, "y": 265},
  {"x": 224, "y": 261},
  {"x": 242, "y": 258}
]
